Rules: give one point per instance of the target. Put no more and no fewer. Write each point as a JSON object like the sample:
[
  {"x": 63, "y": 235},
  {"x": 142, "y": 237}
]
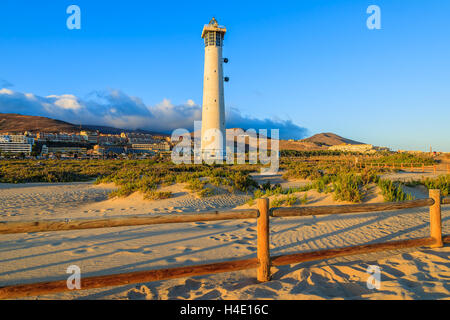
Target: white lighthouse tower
[{"x": 213, "y": 113}]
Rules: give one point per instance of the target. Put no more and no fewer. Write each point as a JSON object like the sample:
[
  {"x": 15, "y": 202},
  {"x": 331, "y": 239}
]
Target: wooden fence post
[
  {"x": 435, "y": 218},
  {"x": 263, "y": 240},
  {"x": 423, "y": 167},
  {"x": 434, "y": 168}
]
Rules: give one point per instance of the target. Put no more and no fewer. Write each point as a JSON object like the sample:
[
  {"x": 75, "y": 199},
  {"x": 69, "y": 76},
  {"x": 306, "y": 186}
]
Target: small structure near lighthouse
[{"x": 213, "y": 139}]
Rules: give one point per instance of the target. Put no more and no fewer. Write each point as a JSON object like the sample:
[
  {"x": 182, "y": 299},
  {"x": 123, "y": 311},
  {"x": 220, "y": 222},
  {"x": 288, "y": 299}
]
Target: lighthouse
[{"x": 213, "y": 139}]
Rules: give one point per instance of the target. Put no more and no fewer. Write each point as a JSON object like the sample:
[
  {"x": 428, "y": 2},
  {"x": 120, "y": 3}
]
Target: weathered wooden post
[
  {"x": 435, "y": 218},
  {"x": 434, "y": 168},
  {"x": 263, "y": 249},
  {"x": 423, "y": 167}
]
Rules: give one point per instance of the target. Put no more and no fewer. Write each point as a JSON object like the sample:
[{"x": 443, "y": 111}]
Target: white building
[
  {"x": 361, "y": 148},
  {"x": 213, "y": 111},
  {"x": 16, "y": 144},
  {"x": 162, "y": 146}
]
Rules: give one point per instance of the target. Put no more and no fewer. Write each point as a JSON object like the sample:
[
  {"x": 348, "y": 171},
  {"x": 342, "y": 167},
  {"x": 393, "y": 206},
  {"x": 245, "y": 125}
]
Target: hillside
[
  {"x": 11, "y": 122},
  {"x": 329, "y": 139}
]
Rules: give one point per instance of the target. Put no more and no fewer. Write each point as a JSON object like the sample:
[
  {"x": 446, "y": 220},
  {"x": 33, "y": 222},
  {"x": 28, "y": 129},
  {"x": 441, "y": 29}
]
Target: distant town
[
  {"x": 82, "y": 145},
  {"x": 96, "y": 145}
]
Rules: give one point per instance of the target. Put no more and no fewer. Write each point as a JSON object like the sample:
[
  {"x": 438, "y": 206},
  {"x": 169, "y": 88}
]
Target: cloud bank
[{"x": 116, "y": 109}]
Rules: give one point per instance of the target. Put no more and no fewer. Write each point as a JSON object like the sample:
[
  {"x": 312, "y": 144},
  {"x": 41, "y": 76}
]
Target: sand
[{"x": 405, "y": 274}]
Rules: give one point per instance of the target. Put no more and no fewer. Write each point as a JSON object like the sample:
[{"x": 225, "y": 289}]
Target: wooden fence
[
  {"x": 262, "y": 262},
  {"x": 413, "y": 167}
]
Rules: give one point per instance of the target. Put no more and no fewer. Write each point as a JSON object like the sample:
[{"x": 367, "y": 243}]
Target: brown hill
[
  {"x": 10, "y": 122},
  {"x": 301, "y": 146},
  {"x": 329, "y": 139}
]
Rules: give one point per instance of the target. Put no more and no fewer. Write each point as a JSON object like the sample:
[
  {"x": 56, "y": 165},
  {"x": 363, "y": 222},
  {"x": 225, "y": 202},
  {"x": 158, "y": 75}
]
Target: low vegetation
[
  {"x": 442, "y": 183},
  {"x": 345, "y": 180},
  {"x": 393, "y": 191},
  {"x": 147, "y": 178},
  {"x": 25, "y": 171}
]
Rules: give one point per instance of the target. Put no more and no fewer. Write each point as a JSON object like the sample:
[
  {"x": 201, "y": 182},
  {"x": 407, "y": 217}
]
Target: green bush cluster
[
  {"x": 393, "y": 191},
  {"x": 157, "y": 195},
  {"x": 26, "y": 171},
  {"x": 442, "y": 183},
  {"x": 347, "y": 187},
  {"x": 147, "y": 178}
]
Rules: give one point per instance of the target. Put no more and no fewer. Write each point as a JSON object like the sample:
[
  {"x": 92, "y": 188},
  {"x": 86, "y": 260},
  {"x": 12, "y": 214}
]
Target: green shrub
[
  {"x": 347, "y": 188},
  {"x": 393, "y": 191},
  {"x": 243, "y": 182},
  {"x": 277, "y": 202},
  {"x": 304, "y": 199},
  {"x": 291, "y": 200},
  {"x": 207, "y": 192},
  {"x": 258, "y": 194},
  {"x": 153, "y": 195},
  {"x": 195, "y": 184},
  {"x": 442, "y": 183}
]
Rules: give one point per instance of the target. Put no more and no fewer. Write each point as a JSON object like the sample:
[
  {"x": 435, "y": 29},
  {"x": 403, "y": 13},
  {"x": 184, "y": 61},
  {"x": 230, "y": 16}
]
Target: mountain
[
  {"x": 329, "y": 139},
  {"x": 321, "y": 141},
  {"x": 11, "y": 122}
]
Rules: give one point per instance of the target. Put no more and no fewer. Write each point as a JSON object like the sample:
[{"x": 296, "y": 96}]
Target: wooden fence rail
[
  {"x": 80, "y": 224},
  {"x": 263, "y": 262},
  {"x": 421, "y": 167},
  {"x": 352, "y": 208}
]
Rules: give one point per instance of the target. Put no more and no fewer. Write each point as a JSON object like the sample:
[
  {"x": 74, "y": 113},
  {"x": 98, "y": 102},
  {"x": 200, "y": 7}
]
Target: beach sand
[{"x": 26, "y": 258}]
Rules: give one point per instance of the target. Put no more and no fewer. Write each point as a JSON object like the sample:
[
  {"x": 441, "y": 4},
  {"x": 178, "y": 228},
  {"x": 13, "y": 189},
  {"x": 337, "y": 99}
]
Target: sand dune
[{"x": 406, "y": 274}]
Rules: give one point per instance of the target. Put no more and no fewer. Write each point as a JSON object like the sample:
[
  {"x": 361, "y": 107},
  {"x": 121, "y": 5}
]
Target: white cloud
[
  {"x": 6, "y": 91},
  {"x": 66, "y": 101}
]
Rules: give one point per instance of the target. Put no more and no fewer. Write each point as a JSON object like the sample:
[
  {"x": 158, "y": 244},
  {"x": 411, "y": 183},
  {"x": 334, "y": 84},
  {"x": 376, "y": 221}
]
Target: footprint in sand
[
  {"x": 184, "y": 290},
  {"x": 140, "y": 293},
  {"x": 80, "y": 251},
  {"x": 188, "y": 249}
]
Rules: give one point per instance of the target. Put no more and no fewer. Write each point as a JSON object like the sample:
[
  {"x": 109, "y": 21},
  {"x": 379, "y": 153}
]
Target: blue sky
[{"x": 298, "y": 64}]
